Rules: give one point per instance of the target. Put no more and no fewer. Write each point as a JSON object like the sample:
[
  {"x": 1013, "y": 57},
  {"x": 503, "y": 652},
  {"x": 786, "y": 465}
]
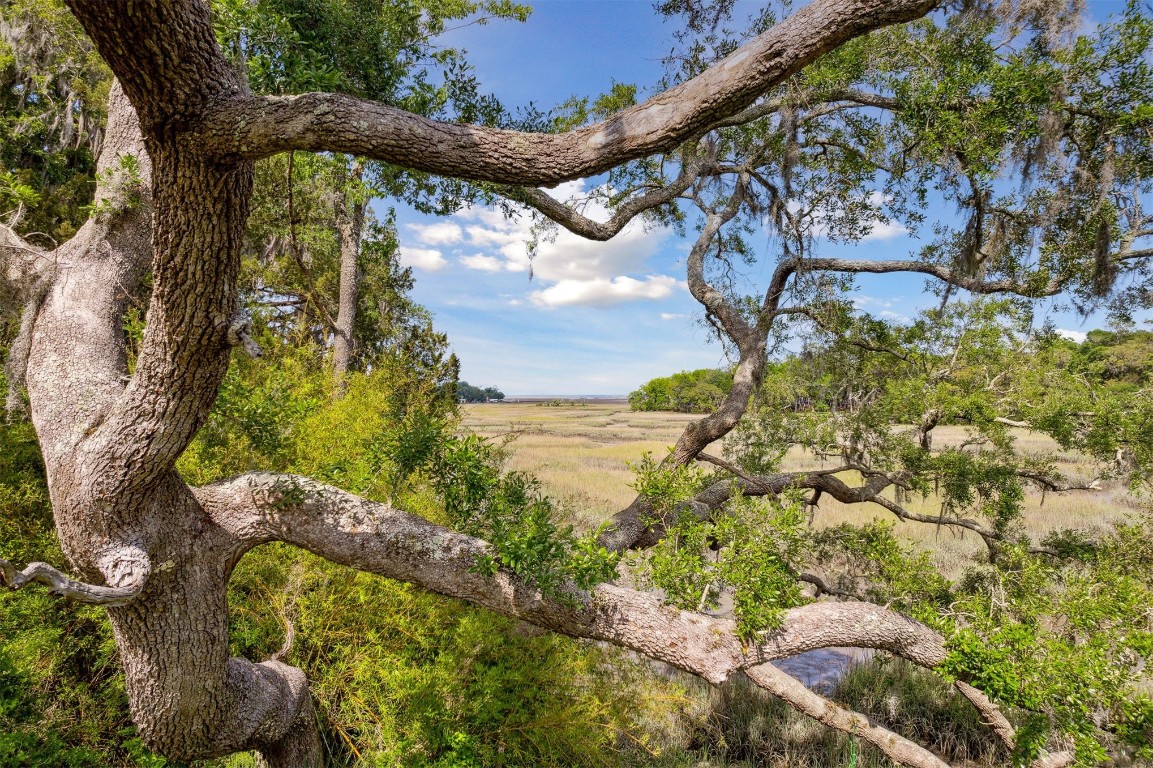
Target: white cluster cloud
[
  {"x": 438, "y": 233},
  {"x": 884, "y": 230},
  {"x": 601, "y": 292},
  {"x": 1074, "y": 336},
  {"x": 483, "y": 263},
  {"x": 428, "y": 259},
  {"x": 575, "y": 271}
]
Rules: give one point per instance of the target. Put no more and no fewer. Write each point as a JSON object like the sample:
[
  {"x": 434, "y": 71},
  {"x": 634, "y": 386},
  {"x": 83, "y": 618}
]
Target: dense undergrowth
[{"x": 401, "y": 677}]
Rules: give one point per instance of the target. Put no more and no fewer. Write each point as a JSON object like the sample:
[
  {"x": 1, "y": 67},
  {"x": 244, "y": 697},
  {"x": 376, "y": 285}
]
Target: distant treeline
[
  {"x": 697, "y": 391},
  {"x": 467, "y": 393},
  {"x": 1121, "y": 360}
]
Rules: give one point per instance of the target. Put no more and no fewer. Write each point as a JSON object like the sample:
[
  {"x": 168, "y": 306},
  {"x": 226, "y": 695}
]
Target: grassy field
[{"x": 581, "y": 454}]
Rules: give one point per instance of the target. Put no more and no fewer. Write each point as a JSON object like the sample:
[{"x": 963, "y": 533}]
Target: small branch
[
  {"x": 240, "y": 333},
  {"x": 595, "y": 230},
  {"x": 850, "y": 96},
  {"x": 1142, "y": 253},
  {"x": 828, "y": 713},
  {"x": 988, "y": 535},
  {"x": 826, "y": 481},
  {"x": 62, "y": 585},
  {"x": 864, "y": 266},
  {"x": 996, "y": 720},
  {"x": 868, "y": 347},
  {"x": 824, "y": 588},
  {"x": 990, "y": 712},
  {"x": 1050, "y": 484},
  {"x": 735, "y": 470}
]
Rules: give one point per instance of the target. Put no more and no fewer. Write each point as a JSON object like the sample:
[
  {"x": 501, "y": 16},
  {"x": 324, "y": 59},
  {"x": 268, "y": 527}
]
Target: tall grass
[
  {"x": 582, "y": 453},
  {"x": 745, "y": 726}
]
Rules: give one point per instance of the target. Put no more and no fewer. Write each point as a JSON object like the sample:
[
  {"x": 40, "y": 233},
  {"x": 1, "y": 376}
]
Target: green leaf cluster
[
  {"x": 509, "y": 510},
  {"x": 749, "y": 551}
]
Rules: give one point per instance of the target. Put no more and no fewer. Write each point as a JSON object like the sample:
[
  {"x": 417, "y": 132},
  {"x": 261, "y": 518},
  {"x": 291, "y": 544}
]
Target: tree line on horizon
[
  {"x": 467, "y": 393},
  {"x": 1119, "y": 359}
]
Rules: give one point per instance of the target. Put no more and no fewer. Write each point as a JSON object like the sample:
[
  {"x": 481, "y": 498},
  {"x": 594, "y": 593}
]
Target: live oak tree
[{"x": 744, "y": 133}]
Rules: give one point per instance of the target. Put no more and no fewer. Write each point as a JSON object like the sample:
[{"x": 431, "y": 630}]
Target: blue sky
[{"x": 590, "y": 318}]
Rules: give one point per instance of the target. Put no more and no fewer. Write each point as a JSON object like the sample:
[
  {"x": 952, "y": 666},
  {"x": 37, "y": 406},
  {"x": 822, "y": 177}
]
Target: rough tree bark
[
  {"x": 173, "y": 198},
  {"x": 350, "y": 222}
]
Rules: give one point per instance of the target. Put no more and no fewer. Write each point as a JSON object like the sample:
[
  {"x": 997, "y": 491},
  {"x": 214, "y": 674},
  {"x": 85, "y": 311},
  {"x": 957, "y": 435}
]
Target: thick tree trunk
[{"x": 124, "y": 517}]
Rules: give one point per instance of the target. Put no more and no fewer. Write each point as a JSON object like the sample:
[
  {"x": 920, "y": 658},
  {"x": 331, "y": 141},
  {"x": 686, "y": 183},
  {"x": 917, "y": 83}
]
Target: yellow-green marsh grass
[{"x": 581, "y": 452}]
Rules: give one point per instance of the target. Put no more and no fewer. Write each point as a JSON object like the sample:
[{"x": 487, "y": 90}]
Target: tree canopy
[
  {"x": 467, "y": 393},
  {"x": 689, "y": 392}
]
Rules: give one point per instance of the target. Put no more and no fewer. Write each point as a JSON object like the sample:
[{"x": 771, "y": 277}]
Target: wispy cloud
[
  {"x": 895, "y": 316},
  {"x": 861, "y": 301}
]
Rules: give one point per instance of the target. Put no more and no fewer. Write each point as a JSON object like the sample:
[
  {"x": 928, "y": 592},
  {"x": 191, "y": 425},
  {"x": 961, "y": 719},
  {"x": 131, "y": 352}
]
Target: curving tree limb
[
  {"x": 259, "y": 126},
  {"x": 260, "y": 507}
]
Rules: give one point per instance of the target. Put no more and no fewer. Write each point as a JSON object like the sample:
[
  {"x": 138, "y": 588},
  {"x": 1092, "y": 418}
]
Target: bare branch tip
[{"x": 62, "y": 585}]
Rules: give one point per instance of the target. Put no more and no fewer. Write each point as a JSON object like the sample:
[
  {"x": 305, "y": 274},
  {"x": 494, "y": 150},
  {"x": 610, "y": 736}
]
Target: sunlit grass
[{"x": 581, "y": 453}]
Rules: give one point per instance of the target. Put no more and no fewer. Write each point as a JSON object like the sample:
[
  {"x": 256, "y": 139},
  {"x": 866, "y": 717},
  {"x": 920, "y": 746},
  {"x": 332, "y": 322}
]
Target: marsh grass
[{"x": 581, "y": 453}]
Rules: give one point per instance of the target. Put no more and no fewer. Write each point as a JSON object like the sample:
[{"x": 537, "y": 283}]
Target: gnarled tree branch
[
  {"x": 375, "y": 537},
  {"x": 256, "y": 127}
]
